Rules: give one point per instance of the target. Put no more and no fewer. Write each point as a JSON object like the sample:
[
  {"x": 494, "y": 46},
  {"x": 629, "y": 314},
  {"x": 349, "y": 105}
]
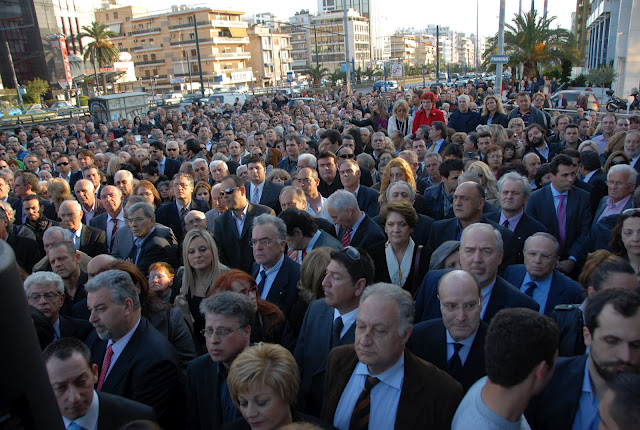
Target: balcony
[
  {"x": 157, "y": 61},
  {"x": 191, "y": 41},
  {"x": 214, "y": 40},
  {"x": 188, "y": 25},
  {"x": 145, "y": 31},
  {"x": 225, "y": 23},
  {"x": 144, "y": 48}
]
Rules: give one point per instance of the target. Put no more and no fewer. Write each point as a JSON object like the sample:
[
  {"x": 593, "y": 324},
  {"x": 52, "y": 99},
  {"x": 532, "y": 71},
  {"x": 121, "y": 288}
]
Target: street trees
[{"x": 101, "y": 50}]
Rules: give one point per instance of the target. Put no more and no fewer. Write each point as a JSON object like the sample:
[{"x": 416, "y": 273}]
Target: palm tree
[
  {"x": 316, "y": 74},
  {"x": 101, "y": 49},
  {"x": 530, "y": 40}
]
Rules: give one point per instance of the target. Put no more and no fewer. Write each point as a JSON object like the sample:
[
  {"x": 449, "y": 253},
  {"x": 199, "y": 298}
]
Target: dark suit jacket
[
  {"x": 367, "y": 234},
  {"x": 563, "y": 289},
  {"x": 578, "y": 223},
  {"x": 48, "y": 210},
  {"x": 147, "y": 371},
  {"x": 284, "y": 291},
  {"x": 554, "y": 149},
  {"x": 599, "y": 181},
  {"x": 312, "y": 350},
  {"x": 171, "y": 167},
  {"x": 75, "y": 177},
  {"x": 434, "y": 202},
  {"x": 504, "y": 295},
  {"x": 270, "y": 194},
  {"x": 74, "y": 327},
  {"x": 429, "y": 396},
  {"x": 123, "y": 242},
  {"x": 168, "y": 215},
  {"x": 25, "y": 249},
  {"x": 368, "y": 201},
  {"x": 420, "y": 233},
  {"x": 100, "y": 221},
  {"x": 326, "y": 239},
  {"x": 116, "y": 411},
  {"x": 325, "y": 225},
  {"x": 93, "y": 241},
  {"x": 556, "y": 407},
  {"x": 594, "y": 195},
  {"x": 429, "y": 342},
  {"x": 414, "y": 279},
  {"x": 498, "y": 118},
  {"x": 154, "y": 249},
  {"x": 203, "y": 405},
  {"x": 99, "y": 210},
  {"x": 525, "y": 228},
  {"x": 235, "y": 251}
]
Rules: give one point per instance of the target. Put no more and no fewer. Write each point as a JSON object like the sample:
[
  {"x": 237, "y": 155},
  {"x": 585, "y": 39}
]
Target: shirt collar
[
  {"x": 275, "y": 268},
  {"x": 313, "y": 240},
  {"x": 466, "y": 342},
  {"x": 244, "y": 214},
  {"x": 393, "y": 376},
  {"x": 90, "y": 420},
  {"x": 513, "y": 220},
  {"x": 555, "y": 193},
  {"x": 586, "y": 380},
  {"x": 357, "y": 224},
  {"x": 121, "y": 344},
  {"x": 543, "y": 285},
  {"x": 348, "y": 318}
]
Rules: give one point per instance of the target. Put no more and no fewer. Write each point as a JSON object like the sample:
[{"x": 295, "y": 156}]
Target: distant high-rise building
[{"x": 579, "y": 26}]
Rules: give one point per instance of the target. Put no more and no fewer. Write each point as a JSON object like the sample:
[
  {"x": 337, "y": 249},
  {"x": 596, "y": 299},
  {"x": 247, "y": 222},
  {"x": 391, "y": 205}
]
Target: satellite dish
[{"x": 124, "y": 57}]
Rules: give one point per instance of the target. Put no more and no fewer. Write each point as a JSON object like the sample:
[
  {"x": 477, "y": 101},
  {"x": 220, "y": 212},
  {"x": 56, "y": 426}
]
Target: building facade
[{"x": 270, "y": 56}]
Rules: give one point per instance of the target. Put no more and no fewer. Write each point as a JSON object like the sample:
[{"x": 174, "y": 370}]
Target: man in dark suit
[
  {"x": 276, "y": 275},
  {"x": 565, "y": 211},
  {"x": 572, "y": 397},
  {"x": 172, "y": 213},
  {"x": 439, "y": 198},
  {"x": 621, "y": 184},
  {"x": 35, "y": 222},
  {"x": 72, "y": 374},
  {"x": 113, "y": 219},
  {"x": 259, "y": 189},
  {"x": 350, "y": 177},
  {"x": 538, "y": 278},
  {"x": 534, "y": 136},
  {"x": 427, "y": 397},
  {"x": 45, "y": 292},
  {"x": 90, "y": 240},
  {"x": 149, "y": 247},
  {"x": 136, "y": 361},
  {"x": 591, "y": 172},
  {"x": 228, "y": 320},
  {"x": 166, "y": 166},
  {"x": 27, "y": 183},
  {"x": 330, "y": 321},
  {"x": 233, "y": 228},
  {"x": 291, "y": 196},
  {"x": 481, "y": 252},
  {"x": 86, "y": 195},
  {"x": 437, "y": 136},
  {"x": 303, "y": 234},
  {"x": 454, "y": 343},
  {"x": 514, "y": 194},
  {"x": 355, "y": 227}
]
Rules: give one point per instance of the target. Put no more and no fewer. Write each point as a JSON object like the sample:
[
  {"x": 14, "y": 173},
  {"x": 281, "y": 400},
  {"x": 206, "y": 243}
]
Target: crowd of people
[{"x": 415, "y": 259}]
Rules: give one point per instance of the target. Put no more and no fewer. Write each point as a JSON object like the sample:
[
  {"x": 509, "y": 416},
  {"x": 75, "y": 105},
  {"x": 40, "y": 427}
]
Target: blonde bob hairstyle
[
  {"x": 499, "y": 107},
  {"x": 189, "y": 277},
  {"x": 264, "y": 364}
]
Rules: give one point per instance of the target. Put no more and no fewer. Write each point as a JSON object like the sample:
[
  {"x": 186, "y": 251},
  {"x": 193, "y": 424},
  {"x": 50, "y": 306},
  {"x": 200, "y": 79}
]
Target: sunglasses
[
  {"x": 229, "y": 191},
  {"x": 347, "y": 155},
  {"x": 63, "y": 163}
]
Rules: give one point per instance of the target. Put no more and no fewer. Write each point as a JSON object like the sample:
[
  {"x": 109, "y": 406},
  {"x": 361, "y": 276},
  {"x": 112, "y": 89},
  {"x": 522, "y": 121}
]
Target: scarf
[{"x": 399, "y": 273}]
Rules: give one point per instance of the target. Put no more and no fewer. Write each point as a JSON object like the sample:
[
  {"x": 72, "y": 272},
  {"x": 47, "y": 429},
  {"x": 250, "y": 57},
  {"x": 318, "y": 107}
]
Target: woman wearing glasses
[
  {"x": 487, "y": 179},
  {"x": 201, "y": 268},
  {"x": 400, "y": 260},
  {"x": 269, "y": 324},
  {"x": 625, "y": 240},
  {"x": 400, "y": 119},
  {"x": 495, "y": 155}
]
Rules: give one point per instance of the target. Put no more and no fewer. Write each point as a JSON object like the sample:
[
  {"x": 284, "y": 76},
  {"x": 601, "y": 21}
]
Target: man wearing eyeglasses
[
  {"x": 45, "y": 292},
  {"x": 538, "y": 277},
  {"x": 63, "y": 168},
  {"x": 621, "y": 182},
  {"x": 455, "y": 342},
  {"x": 228, "y": 320},
  {"x": 149, "y": 246}
]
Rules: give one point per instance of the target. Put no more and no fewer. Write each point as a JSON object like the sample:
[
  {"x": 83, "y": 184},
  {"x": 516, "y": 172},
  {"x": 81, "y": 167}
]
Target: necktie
[
  {"x": 262, "y": 281},
  {"x": 105, "y": 367},
  {"x": 76, "y": 241},
  {"x": 530, "y": 287},
  {"x": 75, "y": 426},
  {"x": 294, "y": 255},
  {"x": 183, "y": 225},
  {"x": 561, "y": 213},
  {"x": 419, "y": 170},
  {"x": 432, "y": 147},
  {"x": 360, "y": 415},
  {"x": 505, "y": 224},
  {"x": 256, "y": 196},
  {"x": 455, "y": 363},
  {"x": 346, "y": 238},
  {"x": 336, "y": 330},
  {"x": 113, "y": 233}
]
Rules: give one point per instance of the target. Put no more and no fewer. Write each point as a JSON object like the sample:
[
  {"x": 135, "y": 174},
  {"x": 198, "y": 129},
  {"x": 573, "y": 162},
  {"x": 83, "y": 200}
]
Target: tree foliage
[
  {"x": 602, "y": 77},
  {"x": 316, "y": 74},
  {"x": 101, "y": 51},
  {"x": 36, "y": 89},
  {"x": 530, "y": 40}
]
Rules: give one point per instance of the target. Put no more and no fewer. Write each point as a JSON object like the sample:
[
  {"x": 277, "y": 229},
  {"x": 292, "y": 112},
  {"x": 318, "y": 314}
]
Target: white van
[
  {"x": 173, "y": 99},
  {"x": 227, "y": 98}
]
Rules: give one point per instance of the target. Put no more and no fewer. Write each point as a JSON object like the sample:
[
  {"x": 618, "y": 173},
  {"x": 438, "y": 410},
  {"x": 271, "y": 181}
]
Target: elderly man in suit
[
  {"x": 539, "y": 279},
  {"x": 85, "y": 194},
  {"x": 367, "y": 198},
  {"x": 89, "y": 240},
  {"x": 514, "y": 194},
  {"x": 113, "y": 219},
  {"x": 65, "y": 262},
  {"x": 233, "y": 228},
  {"x": 277, "y": 275},
  {"x": 355, "y": 228},
  {"x": 455, "y": 342},
  {"x": 481, "y": 252},
  {"x": 330, "y": 321},
  {"x": 136, "y": 361},
  {"x": 260, "y": 190},
  {"x": 303, "y": 233},
  {"x": 612, "y": 333},
  {"x": 377, "y": 382},
  {"x": 565, "y": 211},
  {"x": 45, "y": 291},
  {"x": 228, "y": 321},
  {"x": 621, "y": 182},
  {"x": 73, "y": 376}
]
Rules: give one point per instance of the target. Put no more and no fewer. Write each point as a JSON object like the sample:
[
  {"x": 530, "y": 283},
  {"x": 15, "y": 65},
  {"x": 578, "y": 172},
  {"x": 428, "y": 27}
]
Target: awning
[{"x": 238, "y": 32}]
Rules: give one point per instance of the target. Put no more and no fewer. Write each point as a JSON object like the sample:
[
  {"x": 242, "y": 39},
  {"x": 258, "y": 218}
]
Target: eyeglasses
[
  {"x": 222, "y": 333},
  {"x": 51, "y": 295},
  {"x": 466, "y": 307},
  {"x": 347, "y": 156},
  {"x": 264, "y": 242},
  {"x": 542, "y": 255},
  {"x": 229, "y": 191},
  {"x": 172, "y": 149},
  {"x": 617, "y": 183},
  {"x": 62, "y": 163},
  {"x": 613, "y": 163}
]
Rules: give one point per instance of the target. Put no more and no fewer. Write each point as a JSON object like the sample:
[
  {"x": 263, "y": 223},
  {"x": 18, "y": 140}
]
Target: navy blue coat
[
  {"x": 526, "y": 227},
  {"x": 168, "y": 215},
  {"x": 284, "y": 291},
  {"x": 171, "y": 167},
  {"x": 203, "y": 404},
  {"x": 368, "y": 201},
  {"x": 367, "y": 234},
  {"x": 270, "y": 194},
  {"x": 464, "y": 122}
]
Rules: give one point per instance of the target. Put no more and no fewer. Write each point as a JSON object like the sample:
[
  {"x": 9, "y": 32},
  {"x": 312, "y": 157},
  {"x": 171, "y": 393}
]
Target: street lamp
[{"x": 153, "y": 91}]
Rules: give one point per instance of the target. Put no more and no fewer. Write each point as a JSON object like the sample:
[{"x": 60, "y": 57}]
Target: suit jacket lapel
[
  {"x": 441, "y": 339},
  {"x": 121, "y": 366},
  {"x": 496, "y": 301},
  {"x": 248, "y": 219}
]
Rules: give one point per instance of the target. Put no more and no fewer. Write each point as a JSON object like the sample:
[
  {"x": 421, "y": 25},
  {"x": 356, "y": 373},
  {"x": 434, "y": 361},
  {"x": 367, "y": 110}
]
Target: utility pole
[
  {"x": 498, "y": 86},
  {"x": 189, "y": 71},
  {"x": 315, "y": 35},
  {"x": 14, "y": 78},
  {"x": 437, "y": 53},
  {"x": 477, "y": 36},
  {"x": 346, "y": 48},
  {"x": 195, "y": 26}
]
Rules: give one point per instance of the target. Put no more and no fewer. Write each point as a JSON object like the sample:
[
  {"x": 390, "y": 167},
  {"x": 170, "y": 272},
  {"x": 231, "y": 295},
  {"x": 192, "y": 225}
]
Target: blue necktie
[
  {"x": 75, "y": 426},
  {"x": 262, "y": 281},
  {"x": 76, "y": 241}
]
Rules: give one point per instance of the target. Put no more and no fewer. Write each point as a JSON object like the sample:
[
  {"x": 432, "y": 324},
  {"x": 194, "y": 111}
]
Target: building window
[
  {"x": 115, "y": 15},
  {"x": 192, "y": 36}
]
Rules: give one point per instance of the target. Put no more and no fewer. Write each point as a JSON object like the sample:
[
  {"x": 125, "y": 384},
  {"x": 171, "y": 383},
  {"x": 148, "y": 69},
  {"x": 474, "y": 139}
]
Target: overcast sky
[{"x": 459, "y": 15}]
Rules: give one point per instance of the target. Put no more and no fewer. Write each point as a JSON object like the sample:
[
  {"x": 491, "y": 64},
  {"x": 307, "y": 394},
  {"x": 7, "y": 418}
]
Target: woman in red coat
[{"x": 428, "y": 114}]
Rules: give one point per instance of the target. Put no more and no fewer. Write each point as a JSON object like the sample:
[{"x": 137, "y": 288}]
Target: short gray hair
[
  {"x": 215, "y": 163},
  {"x": 442, "y": 253},
  {"x": 44, "y": 278},
  {"x": 74, "y": 203},
  {"x": 230, "y": 304},
  {"x": 342, "y": 200},
  {"x": 119, "y": 283},
  {"x": 515, "y": 176},
  {"x": 367, "y": 160},
  {"x": 469, "y": 176},
  {"x": 401, "y": 182},
  {"x": 126, "y": 173},
  {"x": 546, "y": 235},
  {"x": 474, "y": 226},
  {"x": 626, "y": 168},
  {"x": 278, "y": 223},
  {"x": 402, "y": 298},
  {"x": 464, "y": 97},
  {"x": 199, "y": 160},
  {"x": 7, "y": 211},
  {"x": 311, "y": 159},
  {"x": 147, "y": 209},
  {"x": 66, "y": 234}
]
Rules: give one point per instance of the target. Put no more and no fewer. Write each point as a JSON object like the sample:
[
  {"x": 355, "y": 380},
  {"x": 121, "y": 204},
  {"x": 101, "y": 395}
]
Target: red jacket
[{"x": 422, "y": 118}]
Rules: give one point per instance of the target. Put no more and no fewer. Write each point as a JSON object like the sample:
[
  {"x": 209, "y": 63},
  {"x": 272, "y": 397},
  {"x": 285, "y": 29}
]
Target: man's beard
[
  {"x": 608, "y": 371},
  {"x": 538, "y": 142}
]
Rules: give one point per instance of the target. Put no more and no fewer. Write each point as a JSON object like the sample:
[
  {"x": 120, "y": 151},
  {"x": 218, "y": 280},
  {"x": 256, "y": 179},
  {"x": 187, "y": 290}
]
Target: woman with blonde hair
[
  {"x": 488, "y": 180},
  {"x": 59, "y": 191},
  {"x": 147, "y": 190},
  {"x": 498, "y": 134},
  {"x": 396, "y": 170},
  {"x": 400, "y": 119},
  {"x": 493, "y": 112},
  {"x": 616, "y": 143},
  {"x": 112, "y": 168}
]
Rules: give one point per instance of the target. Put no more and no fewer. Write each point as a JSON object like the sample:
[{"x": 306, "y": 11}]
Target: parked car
[
  {"x": 571, "y": 96},
  {"x": 172, "y": 98},
  {"x": 33, "y": 113},
  {"x": 379, "y": 85},
  {"x": 61, "y": 105}
]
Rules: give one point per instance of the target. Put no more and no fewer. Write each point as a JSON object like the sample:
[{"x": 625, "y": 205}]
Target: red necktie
[
  {"x": 346, "y": 238},
  {"x": 113, "y": 233},
  {"x": 505, "y": 224},
  {"x": 105, "y": 367}
]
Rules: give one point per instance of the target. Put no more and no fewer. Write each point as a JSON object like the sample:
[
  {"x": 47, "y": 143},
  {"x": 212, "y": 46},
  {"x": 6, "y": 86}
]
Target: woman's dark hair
[
  {"x": 599, "y": 265},
  {"x": 509, "y": 145},
  {"x": 616, "y": 245},
  {"x": 514, "y": 166},
  {"x": 452, "y": 151},
  {"x": 542, "y": 170},
  {"x": 357, "y": 138}
]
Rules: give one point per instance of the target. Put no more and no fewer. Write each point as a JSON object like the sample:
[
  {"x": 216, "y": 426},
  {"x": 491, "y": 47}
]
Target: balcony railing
[
  {"x": 144, "y": 31},
  {"x": 187, "y": 24},
  {"x": 145, "y": 47},
  {"x": 150, "y": 62}
]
